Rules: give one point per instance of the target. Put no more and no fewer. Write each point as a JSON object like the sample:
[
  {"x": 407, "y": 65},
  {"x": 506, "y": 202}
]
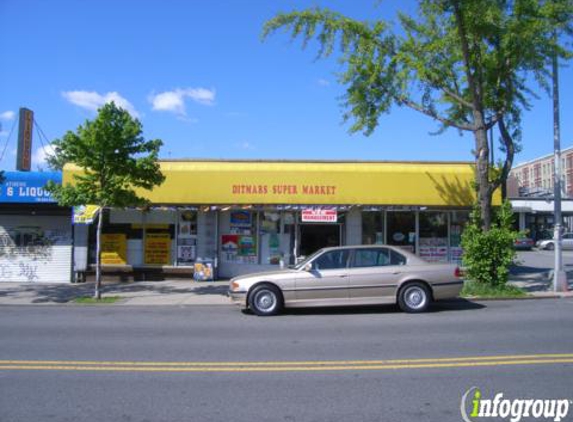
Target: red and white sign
[{"x": 319, "y": 216}]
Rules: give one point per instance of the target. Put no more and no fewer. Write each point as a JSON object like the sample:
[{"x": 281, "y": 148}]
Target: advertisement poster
[
  {"x": 186, "y": 253},
  {"x": 185, "y": 230},
  {"x": 247, "y": 246},
  {"x": 434, "y": 249},
  {"x": 85, "y": 214},
  {"x": 241, "y": 218},
  {"x": 157, "y": 249},
  {"x": 230, "y": 244},
  {"x": 113, "y": 249},
  {"x": 239, "y": 248}
]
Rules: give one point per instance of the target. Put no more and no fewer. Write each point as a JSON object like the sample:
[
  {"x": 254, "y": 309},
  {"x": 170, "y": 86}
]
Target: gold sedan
[{"x": 349, "y": 275}]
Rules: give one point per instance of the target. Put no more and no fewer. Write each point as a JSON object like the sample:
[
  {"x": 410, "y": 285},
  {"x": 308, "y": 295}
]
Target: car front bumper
[{"x": 238, "y": 298}]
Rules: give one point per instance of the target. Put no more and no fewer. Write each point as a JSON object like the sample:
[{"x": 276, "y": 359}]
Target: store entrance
[{"x": 316, "y": 236}]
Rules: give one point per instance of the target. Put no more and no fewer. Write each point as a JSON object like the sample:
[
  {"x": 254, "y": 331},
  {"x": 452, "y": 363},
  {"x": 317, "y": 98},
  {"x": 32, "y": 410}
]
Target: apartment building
[{"x": 535, "y": 178}]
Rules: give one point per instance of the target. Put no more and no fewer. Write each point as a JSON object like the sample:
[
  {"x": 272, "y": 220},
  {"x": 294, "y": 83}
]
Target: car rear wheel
[
  {"x": 265, "y": 300},
  {"x": 414, "y": 298},
  {"x": 550, "y": 246}
]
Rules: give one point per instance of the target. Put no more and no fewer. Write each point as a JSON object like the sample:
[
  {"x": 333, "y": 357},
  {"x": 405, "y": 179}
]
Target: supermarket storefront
[{"x": 245, "y": 216}]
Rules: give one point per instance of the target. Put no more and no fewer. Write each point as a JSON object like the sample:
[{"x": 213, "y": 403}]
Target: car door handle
[
  {"x": 343, "y": 276},
  {"x": 396, "y": 272}
]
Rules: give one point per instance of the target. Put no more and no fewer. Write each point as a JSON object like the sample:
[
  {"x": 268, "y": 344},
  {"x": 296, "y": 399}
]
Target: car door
[
  {"x": 567, "y": 241},
  {"x": 326, "y": 283},
  {"x": 373, "y": 275}
]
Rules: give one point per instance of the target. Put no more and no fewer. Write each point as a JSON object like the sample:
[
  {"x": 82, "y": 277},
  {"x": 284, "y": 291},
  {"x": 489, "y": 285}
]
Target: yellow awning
[{"x": 306, "y": 183}]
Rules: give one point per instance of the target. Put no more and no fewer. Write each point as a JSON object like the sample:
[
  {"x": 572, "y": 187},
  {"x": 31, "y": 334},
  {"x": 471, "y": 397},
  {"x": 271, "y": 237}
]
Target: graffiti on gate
[
  {"x": 23, "y": 248},
  {"x": 30, "y": 241}
]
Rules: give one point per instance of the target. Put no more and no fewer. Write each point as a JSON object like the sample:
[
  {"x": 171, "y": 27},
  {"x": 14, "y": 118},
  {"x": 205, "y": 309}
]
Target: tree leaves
[{"x": 114, "y": 158}]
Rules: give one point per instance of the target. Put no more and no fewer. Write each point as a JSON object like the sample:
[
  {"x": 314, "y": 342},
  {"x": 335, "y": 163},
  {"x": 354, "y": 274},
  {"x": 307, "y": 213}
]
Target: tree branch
[
  {"x": 448, "y": 122},
  {"x": 510, "y": 152}
]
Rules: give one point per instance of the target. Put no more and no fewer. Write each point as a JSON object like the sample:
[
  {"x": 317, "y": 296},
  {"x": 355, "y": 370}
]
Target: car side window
[
  {"x": 331, "y": 260},
  {"x": 397, "y": 258},
  {"x": 371, "y": 258}
]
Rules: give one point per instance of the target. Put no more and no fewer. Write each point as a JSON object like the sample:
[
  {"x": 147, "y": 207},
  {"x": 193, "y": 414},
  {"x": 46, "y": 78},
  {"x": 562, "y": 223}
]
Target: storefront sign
[
  {"x": 24, "y": 154},
  {"x": 157, "y": 249},
  {"x": 297, "y": 183},
  {"x": 319, "y": 216},
  {"x": 113, "y": 249},
  {"x": 85, "y": 214},
  {"x": 27, "y": 187}
]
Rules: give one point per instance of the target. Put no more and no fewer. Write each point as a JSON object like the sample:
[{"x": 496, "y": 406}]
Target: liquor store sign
[
  {"x": 27, "y": 187},
  {"x": 319, "y": 216}
]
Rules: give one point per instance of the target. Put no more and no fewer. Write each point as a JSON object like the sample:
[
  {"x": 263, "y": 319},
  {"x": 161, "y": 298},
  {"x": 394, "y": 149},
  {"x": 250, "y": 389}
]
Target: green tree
[
  {"x": 467, "y": 64},
  {"x": 114, "y": 159}
]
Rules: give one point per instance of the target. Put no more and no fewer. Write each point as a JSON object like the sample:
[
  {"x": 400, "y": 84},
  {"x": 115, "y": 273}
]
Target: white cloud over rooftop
[
  {"x": 174, "y": 101},
  {"x": 92, "y": 100}
]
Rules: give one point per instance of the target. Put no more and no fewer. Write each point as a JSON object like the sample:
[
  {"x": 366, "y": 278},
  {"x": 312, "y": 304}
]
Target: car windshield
[{"x": 305, "y": 261}]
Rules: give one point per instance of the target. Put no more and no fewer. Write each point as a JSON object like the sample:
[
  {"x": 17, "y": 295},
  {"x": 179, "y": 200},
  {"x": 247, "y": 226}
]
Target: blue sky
[{"x": 199, "y": 77}]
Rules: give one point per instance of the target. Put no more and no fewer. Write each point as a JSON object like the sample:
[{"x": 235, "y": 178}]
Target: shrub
[{"x": 488, "y": 255}]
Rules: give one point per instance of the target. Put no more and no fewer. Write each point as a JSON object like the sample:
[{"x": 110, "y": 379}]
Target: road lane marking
[
  {"x": 286, "y": 369},
  {"x": 275, "y": 363},
  {"x": 285, "y": 366}
]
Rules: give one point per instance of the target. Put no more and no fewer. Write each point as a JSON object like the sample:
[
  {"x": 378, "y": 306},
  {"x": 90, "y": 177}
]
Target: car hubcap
[
  {"x": 415, "y": 297},
  {"x": 266, "y": 301}
]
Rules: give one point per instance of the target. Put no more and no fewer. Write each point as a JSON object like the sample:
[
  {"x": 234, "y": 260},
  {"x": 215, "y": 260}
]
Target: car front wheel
[
  {"x": 550, "y": 246},
  {"x": 265, "y": 300},
  {"x": 414, "y": 298}
]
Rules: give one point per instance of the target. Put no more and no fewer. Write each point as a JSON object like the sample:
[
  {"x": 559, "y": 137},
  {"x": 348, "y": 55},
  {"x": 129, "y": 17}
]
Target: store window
[
  {"x": 401, "y": 230},
  {"x": 433, "y": 236},
  {"x": 372, "y": 227},
  {"x": 187, "y": 237},
  {"x": 239, "y": 245},
  {"x": 458, "y": 220},
  {"x": 275, "y": 244}
]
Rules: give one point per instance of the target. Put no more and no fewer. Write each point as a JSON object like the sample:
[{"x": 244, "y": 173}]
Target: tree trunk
[
  {"x": 97, "y": 292},
  {"x": 482, "y": 172},
  {"x": 480, "y": 129}
]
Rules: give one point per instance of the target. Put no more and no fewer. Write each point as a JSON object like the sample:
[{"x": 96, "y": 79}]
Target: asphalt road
[{"x": 79, "y": 363}]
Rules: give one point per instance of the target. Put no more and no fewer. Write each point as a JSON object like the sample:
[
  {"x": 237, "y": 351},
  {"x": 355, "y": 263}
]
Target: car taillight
[{"x": 458, "y": 272}]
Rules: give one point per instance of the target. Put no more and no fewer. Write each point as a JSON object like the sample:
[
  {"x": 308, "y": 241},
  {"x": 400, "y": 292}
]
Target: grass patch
[
  {"x": 88, "y": 300},
  {"x": 481, "y": 290}
]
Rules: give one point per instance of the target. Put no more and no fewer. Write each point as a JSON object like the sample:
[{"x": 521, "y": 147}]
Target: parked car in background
[
  {"x": 523, "y": 243},
  {"x": 549, "y": 244},
  {"x": 349, "y": 275}
]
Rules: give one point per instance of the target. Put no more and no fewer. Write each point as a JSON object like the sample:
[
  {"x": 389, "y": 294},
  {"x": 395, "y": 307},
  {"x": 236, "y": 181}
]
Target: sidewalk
[{"x": 168, "y": 292}]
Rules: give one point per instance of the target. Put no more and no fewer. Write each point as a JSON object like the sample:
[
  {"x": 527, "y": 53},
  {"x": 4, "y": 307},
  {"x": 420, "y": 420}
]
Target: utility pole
[{"x": 559, "y": 276}]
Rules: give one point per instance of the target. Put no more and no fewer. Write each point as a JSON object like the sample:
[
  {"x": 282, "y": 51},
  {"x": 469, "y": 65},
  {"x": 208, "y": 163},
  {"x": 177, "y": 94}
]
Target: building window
[
  {"x": 434, "y": 236},
  {"x": 372, "y": 227},
  {"x": 401, "y": 230}
]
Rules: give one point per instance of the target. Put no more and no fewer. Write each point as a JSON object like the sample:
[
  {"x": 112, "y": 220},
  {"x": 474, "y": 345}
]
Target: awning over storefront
[{"x": 311, "y": 182}]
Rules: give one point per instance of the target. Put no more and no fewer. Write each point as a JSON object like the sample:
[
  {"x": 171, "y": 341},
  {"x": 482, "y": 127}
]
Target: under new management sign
[{"x": 319, "y": 216}]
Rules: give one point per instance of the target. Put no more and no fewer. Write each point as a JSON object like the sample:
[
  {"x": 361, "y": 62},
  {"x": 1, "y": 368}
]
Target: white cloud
[
  {"x": 41, "y": 154},
  {"x": 323, "y": 82},
  {"x": 91, "y": 100},
  {"x": 174, "y": 101},
  {"x": 7, "y": 115}
]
